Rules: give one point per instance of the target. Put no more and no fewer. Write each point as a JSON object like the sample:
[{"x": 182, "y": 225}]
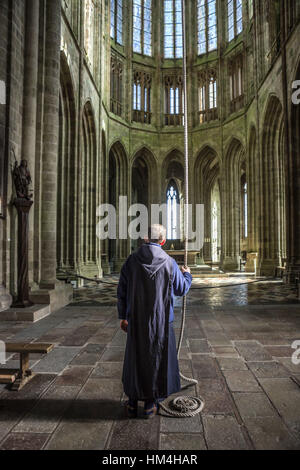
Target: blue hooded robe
[{"x": 148, "y": 282}]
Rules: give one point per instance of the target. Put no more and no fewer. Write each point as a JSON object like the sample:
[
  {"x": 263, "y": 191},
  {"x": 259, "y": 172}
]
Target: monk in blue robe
[{"x": 149, "y": 280}]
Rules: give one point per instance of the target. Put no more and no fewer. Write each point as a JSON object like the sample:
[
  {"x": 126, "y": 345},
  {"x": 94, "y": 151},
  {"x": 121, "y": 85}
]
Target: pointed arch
[
  {"x": 146, "y": 158},
  {"x": 233, "y": 168},
  {"x": 66, "y": 171},
  {"x": 88, "y": 192},
  {"x": 118, "y": 186},
  {"x": 253, "y": 191},
  {"x": 206, "y": 175},
  {"x": 272, "y": 236}
]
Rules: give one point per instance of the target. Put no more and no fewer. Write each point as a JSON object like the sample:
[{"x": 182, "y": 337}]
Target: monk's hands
[
  {"x": 124, "y": 325},
  {"x": 185, "y": 269}
]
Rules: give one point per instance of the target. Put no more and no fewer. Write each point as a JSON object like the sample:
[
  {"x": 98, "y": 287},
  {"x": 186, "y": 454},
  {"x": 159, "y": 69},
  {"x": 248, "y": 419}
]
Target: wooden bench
[{"x": 19, "y": 377}]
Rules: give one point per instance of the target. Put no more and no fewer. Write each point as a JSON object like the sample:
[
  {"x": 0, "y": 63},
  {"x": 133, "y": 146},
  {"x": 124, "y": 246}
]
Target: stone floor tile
[
  {"x": 111, "y": 370},
  {"x": 268, "y": 369},
  {"x": 182, "y": 425},
  {"x": 285, "y": 395},
  {"x": 241, "y": 381},
  {"x": 56, "y": 360},
  {"x": 103, "y": 388},
  {"x": 270, "y": 433},
  {"x": 44, "y": 417},
  {"x": 205, "y": 367},
  {"x": 135, "y": 434},
  {"x": 199, "y": 346},
  {"x": 113, "y": 355},
  {"x": 254, "y": 405},
  {"x": 231, "y": 363},
  {"x": 89, "y": 355},
  {"x": 252, "y": 351},
  {"x": 280, "y": 351},
  {"x": 24, "y": 441},
  {"x": 80, "y": 435},
  {"x": 224, "y": 433},
  {"x": 74, "y": 376},
  {"x": 174, "y": 441},
  {"x": 225, "y": 351}
]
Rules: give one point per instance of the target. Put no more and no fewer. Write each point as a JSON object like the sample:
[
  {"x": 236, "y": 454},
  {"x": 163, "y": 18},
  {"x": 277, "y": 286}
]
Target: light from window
[
  {"x": 116, "y": 20},
  {"x": 142, "y": 26},
  {"x": 173, "y": 44},
  {"x": 137, "y": 97},
  {"x": 207, "y": 26},
  {"x": 212, "y": 91},
  {"x": 172, "y": 208},
  {"x": 251, "y": 10},
  {"x": 89, "y": 29},
  {"x": 235, "y": 18},
  {"x": 112, "y": 19}
]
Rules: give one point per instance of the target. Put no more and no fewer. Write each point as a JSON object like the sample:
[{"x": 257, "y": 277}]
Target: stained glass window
[
  {"x": 172, "y": 211},
  {"x": 116, "y": 20},
  {"x": 207, "y": 26},
  {"x": 142, "y": 27},
  {"x": 235, "y": 18},
  {"x": 173, "y": 45}
]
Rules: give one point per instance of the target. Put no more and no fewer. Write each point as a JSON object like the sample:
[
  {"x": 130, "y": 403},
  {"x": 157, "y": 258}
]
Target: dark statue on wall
[
  {"x": 23, "y": 202},
  {"x": 22, "y": 180}
]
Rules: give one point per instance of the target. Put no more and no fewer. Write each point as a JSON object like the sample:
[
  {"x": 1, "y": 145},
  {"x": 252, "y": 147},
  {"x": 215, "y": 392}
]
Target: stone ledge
[
  {"x": 56, "y": 298},
  {"x": 30, "y": 314}
]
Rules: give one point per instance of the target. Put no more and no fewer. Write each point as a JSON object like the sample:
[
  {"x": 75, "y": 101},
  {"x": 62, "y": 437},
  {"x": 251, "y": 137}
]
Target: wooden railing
[
  {"x": 236, "y": 104},
  {"x": 174, "y": 119},
  {"x": 141, "y": 116},
  {"x": 208, "y": 115},
  {"x": 116, "y": 107}
]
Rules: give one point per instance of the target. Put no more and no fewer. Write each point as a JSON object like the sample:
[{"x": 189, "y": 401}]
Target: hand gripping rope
[{"x": 184, "y": 406}]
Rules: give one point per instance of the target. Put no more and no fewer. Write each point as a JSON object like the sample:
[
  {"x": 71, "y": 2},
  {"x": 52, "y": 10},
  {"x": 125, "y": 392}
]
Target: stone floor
[{"x": 240, "y": 353}]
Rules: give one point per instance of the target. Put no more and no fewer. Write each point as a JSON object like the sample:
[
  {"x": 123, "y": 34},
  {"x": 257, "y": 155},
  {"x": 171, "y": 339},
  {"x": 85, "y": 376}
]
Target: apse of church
[{"x": 91, "y": 96}]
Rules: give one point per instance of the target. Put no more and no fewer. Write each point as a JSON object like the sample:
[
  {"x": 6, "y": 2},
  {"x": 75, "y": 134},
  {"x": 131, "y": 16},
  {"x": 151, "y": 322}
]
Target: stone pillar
[
  {"x": 5, "y": 299},
  {"x": 23, "y": 207},
  {"x": 30, "y": 103},
  {"x": 50, "y": 141}
]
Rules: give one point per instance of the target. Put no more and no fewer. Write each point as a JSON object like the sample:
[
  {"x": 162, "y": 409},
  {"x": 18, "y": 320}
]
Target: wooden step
[
  {"x": 8, "y": 376},
  {"x": 35, "y": 348}
]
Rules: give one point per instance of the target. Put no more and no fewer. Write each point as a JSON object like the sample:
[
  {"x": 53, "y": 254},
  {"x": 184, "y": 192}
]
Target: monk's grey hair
[{"x": 157, "y": 233}]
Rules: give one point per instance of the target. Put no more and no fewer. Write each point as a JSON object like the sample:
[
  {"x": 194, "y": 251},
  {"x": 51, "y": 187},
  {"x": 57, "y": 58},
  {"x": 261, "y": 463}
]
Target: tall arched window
[
  {"x": 173, "y": 29},
  {"x": 235, "y": 18},
  {"x": 89, "y": 30},
  {"x": 116, "y": 20},
  {"x": 207, "y": 87},
  {"x": 245, "y": 209},
  {"x": 207, "y": 26},
  {"x": 172, "y": 211},
  {"x": 142, "y": 27}
]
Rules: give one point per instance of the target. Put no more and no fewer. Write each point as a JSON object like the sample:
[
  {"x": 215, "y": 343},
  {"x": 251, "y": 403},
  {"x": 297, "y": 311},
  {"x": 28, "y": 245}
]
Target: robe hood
[{"x": 152, "y": 258}]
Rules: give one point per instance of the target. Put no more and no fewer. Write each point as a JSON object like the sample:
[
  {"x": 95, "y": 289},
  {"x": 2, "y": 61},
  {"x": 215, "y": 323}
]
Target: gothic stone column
[
  {"x": 30, "y": 102},
  {"x": 51, "y": 138}
]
